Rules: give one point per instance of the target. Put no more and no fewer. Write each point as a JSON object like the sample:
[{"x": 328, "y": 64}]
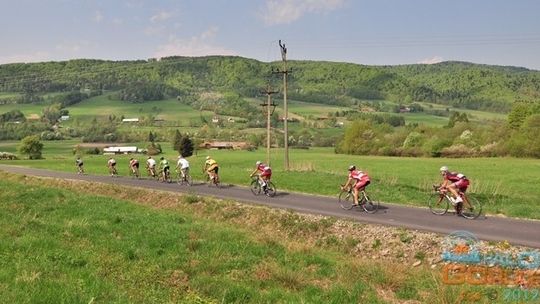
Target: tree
[
  {"x": 177, "y": 141},
  {"x": 151, "y": 137},
  {"x": 31, "y": 146},
  {"x": 186, "y": 147},
  {"x": 516, "y": 117}
]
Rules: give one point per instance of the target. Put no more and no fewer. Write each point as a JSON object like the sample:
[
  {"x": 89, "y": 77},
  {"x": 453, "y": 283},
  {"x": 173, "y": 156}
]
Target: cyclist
[
  {"x": 164, "y": 168},
  {"x": 112, "y": 166},
  {"x": 264, "y": 175},
  {"x": 79, "y": 164},
  {"x": 455, "y": 182},
  {"x": 358, "y": 180},
  {"x": 151, "y": 166},
  {"x": 182, "y": 166},
  {"x": 211, "y": 168},
  {"x": 134, "y": 166}
]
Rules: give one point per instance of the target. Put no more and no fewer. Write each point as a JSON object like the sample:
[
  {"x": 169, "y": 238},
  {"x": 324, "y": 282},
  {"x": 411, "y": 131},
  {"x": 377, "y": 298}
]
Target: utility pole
[
  {"x": 285, "y": 73},
  {"x": 268, "y": 91}
]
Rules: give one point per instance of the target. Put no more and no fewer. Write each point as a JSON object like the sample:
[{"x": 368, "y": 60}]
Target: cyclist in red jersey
[
  {"x": 455, "y": 183},
  {"x": 265, "y": 173},
  {"x": 358, "y": 180}
]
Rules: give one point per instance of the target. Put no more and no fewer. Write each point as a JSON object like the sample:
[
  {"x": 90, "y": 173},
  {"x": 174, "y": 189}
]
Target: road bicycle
[
  {"x": 134, "y": 172},
  {"x": 346, "y": 200},
  {"x": 440, "y": 200},
  {"x": 212, "y": 180},
  {"x": 151, "y": 172},
  {"x": 113, "y": 172},
  {"x": 185, "y": 178},
  {"x": 165, "y": 176},
  {"x": 256, "y": 187}
]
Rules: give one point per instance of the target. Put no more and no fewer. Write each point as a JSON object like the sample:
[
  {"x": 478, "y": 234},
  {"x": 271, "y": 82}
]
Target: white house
[
  {"x": 130, "y": 120},
  {"x": 120, "y": 150}
]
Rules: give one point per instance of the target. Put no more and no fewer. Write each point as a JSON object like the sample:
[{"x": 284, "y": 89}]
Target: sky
[{"x": 372, "y": 32}]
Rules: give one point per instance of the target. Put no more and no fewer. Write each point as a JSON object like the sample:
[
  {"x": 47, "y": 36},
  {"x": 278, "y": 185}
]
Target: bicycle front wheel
[
  {"x": 474, "y": 210},
  {"x": 438, "y": 205},
  {"x": 271, "y": 189},
  {"x": 189, "y": 180},
  {"x": 369, "y": 205},
  {"x": 255, "y": 187},
  {"x": 346, "y": 200}
]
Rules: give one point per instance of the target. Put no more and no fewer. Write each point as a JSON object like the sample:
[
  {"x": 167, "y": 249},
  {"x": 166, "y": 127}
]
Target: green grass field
[
  {"x": 504, "y": 185},
  {"x": 101, "y": 106},
  {"x": 62, "y": 244}
]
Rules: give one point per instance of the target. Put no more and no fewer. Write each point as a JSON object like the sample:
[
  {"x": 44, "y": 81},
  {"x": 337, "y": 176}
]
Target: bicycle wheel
[
  {"x": 369, "y": 205},
  {"x": 189, "y": 180},
  {"x": 474, "y": 211},
  {"x": 255, "y": 187},
  {"x": 270, "y": 190},
  {"x": 437, "y": 205},
  {"x": 346, "y": 200}
]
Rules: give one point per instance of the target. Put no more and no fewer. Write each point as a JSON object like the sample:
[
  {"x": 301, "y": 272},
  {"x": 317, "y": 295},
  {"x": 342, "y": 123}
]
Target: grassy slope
[
  {"x": 502, "y": 184},
  {"x": 169, "y": 109},
  {"x": 60, "y": 245}
]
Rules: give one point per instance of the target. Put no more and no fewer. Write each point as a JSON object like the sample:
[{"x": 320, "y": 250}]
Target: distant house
[
  {"x": 120, "y": 150},
  {"x": 221, "y": 145},
  {"x": 289, "y": 119},
  {"x": 215, "y": 119},
  {"x": 230, "y": 119},
  {"x": 130, "y": 120},
  {"x": 64, "y": 117},
  {"x": 404, "y": 110}
]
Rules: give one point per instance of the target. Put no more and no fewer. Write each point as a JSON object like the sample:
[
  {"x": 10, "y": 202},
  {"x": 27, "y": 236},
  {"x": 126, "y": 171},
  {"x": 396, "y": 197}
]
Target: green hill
[{"x": 459, "y": 84}]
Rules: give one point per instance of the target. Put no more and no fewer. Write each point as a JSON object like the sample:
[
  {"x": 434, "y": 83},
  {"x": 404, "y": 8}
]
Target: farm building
[
  {"x": 220, "y": 145},
  {"x": 120, "y": 150}
]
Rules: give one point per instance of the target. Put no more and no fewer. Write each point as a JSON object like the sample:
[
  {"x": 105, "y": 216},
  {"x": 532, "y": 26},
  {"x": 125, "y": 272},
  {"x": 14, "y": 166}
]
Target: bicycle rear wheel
[
  {"x": 270, "y": 190},
  {"x": 471, "y": 212},
  {"x": 369, "y": 205},
  {"x": 437, "y": 205},
  {"x": 189, "y": 180},
  {"x": 346, "y": 200},
  {"x": 255, "y": 187}
]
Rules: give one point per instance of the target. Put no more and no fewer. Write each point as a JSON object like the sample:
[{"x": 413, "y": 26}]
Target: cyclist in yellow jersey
[{"x": 212, "y": 168}]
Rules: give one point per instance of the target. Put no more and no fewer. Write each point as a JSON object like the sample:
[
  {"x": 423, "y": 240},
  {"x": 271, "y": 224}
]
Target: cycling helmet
[
  {"x": 352, "y": 167},
  {"x": 162, "y": 158},
  {"x": 444, "y": 169},
  {"x": 258, "y": 162}
]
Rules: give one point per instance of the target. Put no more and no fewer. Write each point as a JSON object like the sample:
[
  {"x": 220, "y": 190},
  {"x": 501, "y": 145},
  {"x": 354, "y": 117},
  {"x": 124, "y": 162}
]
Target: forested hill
[{"x": 457, "y": 83}]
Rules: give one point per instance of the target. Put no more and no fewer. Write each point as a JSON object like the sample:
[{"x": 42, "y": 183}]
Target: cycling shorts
[
  {"x": 361, "y": 184},
  {"x": 462, "y": 184},
  {"x": 213, "y": 168}
]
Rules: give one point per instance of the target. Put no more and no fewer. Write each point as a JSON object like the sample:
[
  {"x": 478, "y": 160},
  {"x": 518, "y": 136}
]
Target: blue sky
[{"x": 383, "y": 32}]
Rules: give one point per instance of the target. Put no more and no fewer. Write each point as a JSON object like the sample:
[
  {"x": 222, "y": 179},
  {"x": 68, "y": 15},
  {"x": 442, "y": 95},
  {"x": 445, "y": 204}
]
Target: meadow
[
  {"x": 506, "y": 186},
  {"x": 59, "y": 242}
]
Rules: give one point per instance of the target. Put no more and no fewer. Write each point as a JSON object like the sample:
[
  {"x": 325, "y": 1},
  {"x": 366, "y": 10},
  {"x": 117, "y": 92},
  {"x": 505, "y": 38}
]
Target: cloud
[
  {"x": 200, "y": 45},
  {"x": 32, "y": 57},
  {"x": 432, "y": 60},
  {"x": 72, "y": 47},
  {"x": 161, "y": 16},
  {"x": 98, "y": 17},
  {"x": 287, "y": 11}
]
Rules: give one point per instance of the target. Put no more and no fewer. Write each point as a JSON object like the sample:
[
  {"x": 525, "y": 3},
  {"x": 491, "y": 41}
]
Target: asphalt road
[{"x": 515, "y": 231}]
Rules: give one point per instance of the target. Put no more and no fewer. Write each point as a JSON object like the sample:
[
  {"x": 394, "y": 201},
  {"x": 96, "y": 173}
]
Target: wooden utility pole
[
  {"x": 268, "y": 91},
  {"x": 285, "y": 73}
]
